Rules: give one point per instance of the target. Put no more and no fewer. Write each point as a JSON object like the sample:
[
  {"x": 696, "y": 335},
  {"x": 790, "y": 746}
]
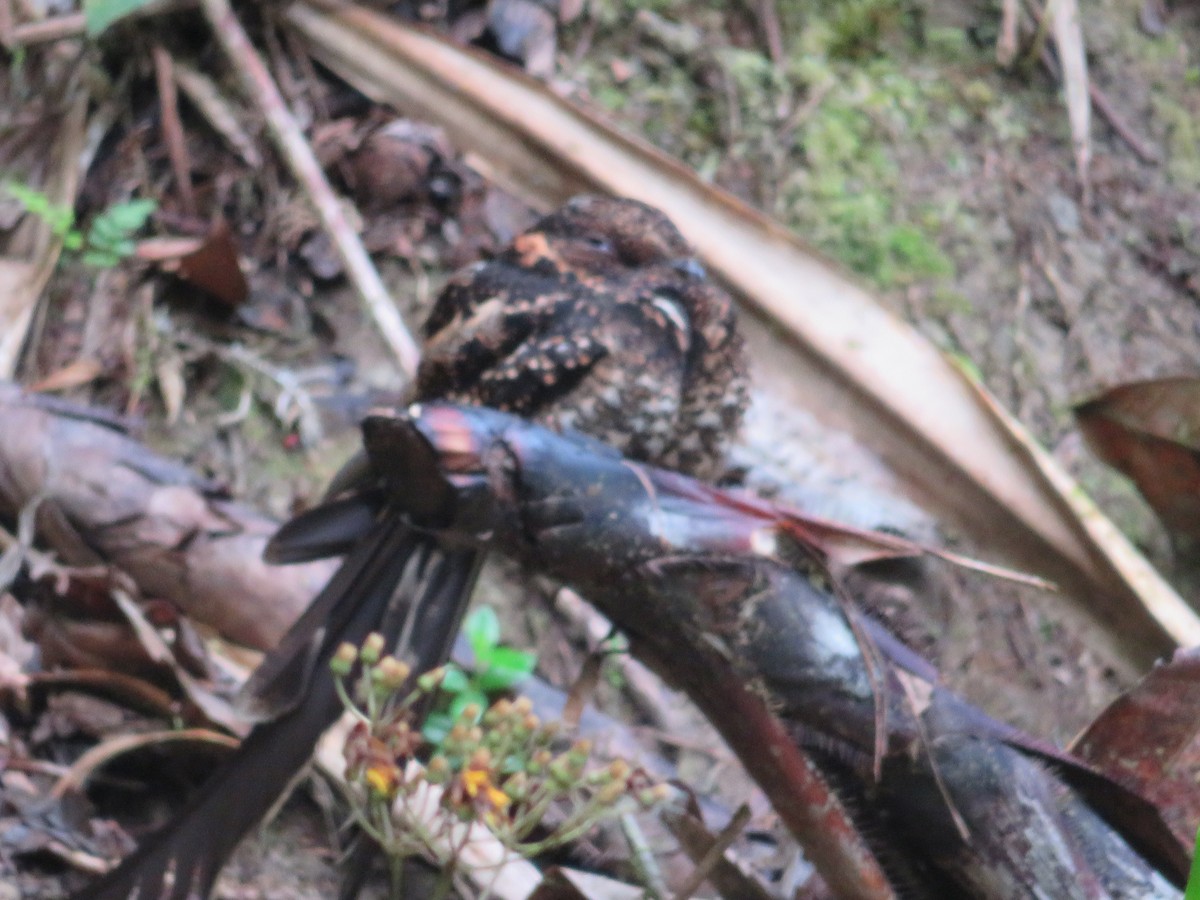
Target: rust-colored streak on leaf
[
  {"x": 1150, "y": 431},
  {"x": 836, "y": 544},
  {"x": 213, "y": 267},
  {"x": 1149, "y": 739}
]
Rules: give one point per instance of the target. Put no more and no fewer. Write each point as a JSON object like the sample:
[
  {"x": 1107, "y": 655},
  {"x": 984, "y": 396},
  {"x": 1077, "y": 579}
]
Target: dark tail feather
[
  {"x": 331, "y": 529},
  {"x": 183, "y": 860},
  {"x": 374, "y": 567}
]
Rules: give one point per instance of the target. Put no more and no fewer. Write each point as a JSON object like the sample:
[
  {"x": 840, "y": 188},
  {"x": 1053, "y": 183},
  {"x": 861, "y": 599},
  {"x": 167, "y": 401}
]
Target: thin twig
[
  {"x": 715, "y": 852},
  {"x": 68, "y": 26},
  {"x": 28, "y": 278},
  {"x": 1117, "y": 122},
  {"x": 1105, "y": 107},
  {"x": 172, "y": 128},
  {"x": 641, "y": 856},
  {"x": 1072, "y": 57},
  {"x": 7, "y": 23},
  {"x": 913, "y": 689},
  {"x": 768, "y": 18},
  {"x": 292, "y": 392},
  {"x": 290, "y": 141},
  {"x": 1006, "y": 43},
  {"x": 208, "y": 101}
]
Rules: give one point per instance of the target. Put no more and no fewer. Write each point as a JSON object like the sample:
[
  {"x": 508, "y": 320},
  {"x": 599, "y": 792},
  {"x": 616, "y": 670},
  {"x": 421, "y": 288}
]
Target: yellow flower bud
[
  {"x": 392, "y": 673},
  {"x": 522, "y": 706},
  {"x": 371, "y": 649},
  {"x": 481, "y": 758},
  {"x": 610, "y": 793},
  {"x": 343, "y": 660}
]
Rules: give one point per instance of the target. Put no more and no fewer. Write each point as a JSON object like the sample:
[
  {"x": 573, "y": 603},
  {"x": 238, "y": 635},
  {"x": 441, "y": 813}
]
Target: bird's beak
[{"x": 690, "y": 266}]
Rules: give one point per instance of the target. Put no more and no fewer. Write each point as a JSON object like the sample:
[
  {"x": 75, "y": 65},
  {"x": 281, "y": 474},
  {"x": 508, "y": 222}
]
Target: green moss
[
  {"x": 850, "y": 30},
  {"x": 945, "y": 301},
  {"x": 913, "y": 250},
  {"x": 951, "y": 45},
  {"x": 617, "y": 13},
  {"x": 1166, "y": 49},
  {"x": 849, "y": 197},
  {"x": 610, "y": 97},
  {"x": 858, "y": 27},
  {"x": 1008, "y": 123},
  {"x": 978, "y": 95},
  {"x": 820, "y": 133},
  {"x": 1183, "y": 141}
]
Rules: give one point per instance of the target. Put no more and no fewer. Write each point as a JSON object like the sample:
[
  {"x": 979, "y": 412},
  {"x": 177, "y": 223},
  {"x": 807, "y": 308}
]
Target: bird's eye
[{"x": 599, "y": 244}]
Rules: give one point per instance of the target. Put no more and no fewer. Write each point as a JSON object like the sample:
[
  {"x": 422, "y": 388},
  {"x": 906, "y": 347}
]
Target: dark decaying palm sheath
[{"x": 596, "y": 320}]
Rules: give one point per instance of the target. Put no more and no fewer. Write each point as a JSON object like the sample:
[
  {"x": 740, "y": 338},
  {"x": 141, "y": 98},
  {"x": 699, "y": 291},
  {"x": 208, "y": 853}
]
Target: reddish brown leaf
[
  {"x": 1150, "y": 431},
  {"x": 214, "y": 267},
  {"x": 1149, "y": 740},
  {"x": 843, "y": 546}
]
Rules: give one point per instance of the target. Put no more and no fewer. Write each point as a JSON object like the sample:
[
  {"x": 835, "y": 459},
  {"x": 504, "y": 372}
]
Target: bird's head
[{"x": 591, "y": 233}]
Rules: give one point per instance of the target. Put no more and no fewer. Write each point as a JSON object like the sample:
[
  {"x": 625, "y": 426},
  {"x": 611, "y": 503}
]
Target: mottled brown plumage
[{"x": 597, "y": 319}]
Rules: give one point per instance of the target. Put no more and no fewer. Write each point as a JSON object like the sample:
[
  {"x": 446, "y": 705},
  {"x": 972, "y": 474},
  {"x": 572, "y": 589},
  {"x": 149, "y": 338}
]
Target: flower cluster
[{"x": 501, "y": 768}]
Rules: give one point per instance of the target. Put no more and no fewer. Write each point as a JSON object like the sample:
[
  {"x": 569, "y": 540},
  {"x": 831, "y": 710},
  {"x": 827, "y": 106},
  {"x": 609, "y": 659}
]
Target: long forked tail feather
[{"x": 396, "y": 581}]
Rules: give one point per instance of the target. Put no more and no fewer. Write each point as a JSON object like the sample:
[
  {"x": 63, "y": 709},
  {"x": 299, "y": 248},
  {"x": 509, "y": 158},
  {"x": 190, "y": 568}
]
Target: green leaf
[
  {"x": 508, "y": 667},
  {"x": 100, "y": 259},
  {"x": 120, "y": 222},
  {"x": 118, "y": 249},
  {"x": 1193, "y": 883},
  {"x": 28, "y": 197},
  {"x": 59, "y": 218},
  {"x": 99, "y": 14},
  {"x": 104, "y": 232},
  {"x": 483, "y": 633},
  {"x": 455, "y": 681},
  {"x": 129, "y": 216},
  {"x": 61, "y": 221},
  {"x": 512, "y": 658},
  {"x": 110, "y": 237}
]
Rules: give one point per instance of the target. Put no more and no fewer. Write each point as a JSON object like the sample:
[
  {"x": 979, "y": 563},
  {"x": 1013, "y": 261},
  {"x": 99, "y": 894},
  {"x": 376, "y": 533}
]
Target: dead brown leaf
[
  {"x": 1150, "y": 431},
  {"x": 1149, "y": 740}
]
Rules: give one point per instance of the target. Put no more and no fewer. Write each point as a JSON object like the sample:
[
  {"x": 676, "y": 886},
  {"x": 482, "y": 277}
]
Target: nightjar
[{"x": 597, "y": 319}]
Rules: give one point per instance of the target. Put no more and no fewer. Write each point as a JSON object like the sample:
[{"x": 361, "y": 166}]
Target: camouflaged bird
[{"x": 598, "y": 319}]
